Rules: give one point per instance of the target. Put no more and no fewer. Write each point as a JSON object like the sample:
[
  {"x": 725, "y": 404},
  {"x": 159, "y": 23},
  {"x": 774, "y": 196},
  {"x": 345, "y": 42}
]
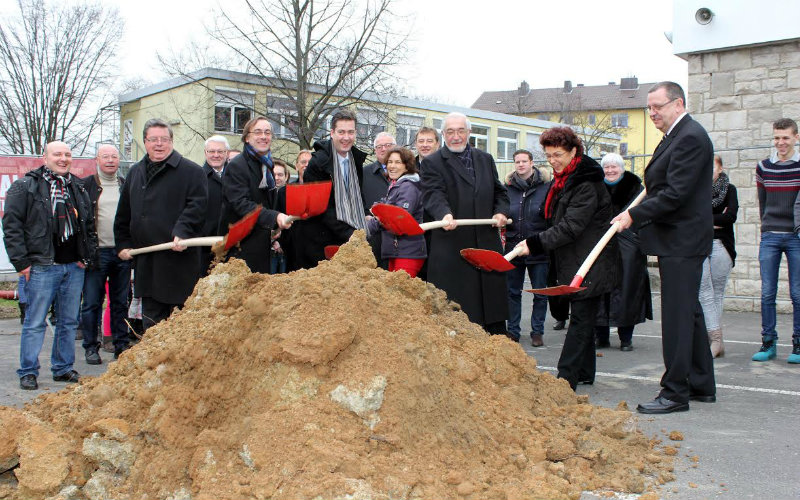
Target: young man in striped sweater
[{"x": 778, "y": 182}]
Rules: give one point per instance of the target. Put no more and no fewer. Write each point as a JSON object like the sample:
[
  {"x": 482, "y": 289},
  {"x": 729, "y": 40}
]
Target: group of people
[{"x": 68, "y": 235}]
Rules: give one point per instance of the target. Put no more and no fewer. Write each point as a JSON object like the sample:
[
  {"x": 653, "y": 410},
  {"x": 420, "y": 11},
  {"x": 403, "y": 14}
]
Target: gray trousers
[{"x": 716, "y": 269}]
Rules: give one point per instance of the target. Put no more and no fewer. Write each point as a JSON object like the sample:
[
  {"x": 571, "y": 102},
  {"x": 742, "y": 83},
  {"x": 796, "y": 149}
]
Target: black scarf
[
  {"x": 61, "y": 204},
  {"x": 719, "y": 189}
]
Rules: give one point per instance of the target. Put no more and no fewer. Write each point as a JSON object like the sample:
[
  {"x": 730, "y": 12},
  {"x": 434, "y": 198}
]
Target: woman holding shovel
[
  {"x": 577, "y": 211},
  {"x": 407, "y": 252}
]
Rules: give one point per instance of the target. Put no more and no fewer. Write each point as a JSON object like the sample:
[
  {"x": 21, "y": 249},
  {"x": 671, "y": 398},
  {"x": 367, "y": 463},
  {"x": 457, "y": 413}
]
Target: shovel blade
[
  {"x": 307, "y": 200},
  {"x": 330, "y": 251},
  {"x": 486, "y": 260},
  {"x": 557, "y": 290},
  {"x": 239, "y": 230},
  {"x": 396, "y": 220}
]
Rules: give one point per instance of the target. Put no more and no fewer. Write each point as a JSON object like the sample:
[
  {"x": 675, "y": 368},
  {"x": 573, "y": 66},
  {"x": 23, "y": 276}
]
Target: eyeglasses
[
  {"x": 257, "y": 133},
  {"x": 159, "y": 140},
  {"x": 454, "y": 131},
  {"x": 658, "y": 107},
  {"x": 385, "y": 146},
  {"x": 216, "y": 151},
  {"x": 557, "y": 155}
]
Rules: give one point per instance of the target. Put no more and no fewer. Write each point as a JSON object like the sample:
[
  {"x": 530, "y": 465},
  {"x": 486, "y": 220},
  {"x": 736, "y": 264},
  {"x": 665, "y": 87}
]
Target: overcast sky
[{"x": 462, "y": 47}]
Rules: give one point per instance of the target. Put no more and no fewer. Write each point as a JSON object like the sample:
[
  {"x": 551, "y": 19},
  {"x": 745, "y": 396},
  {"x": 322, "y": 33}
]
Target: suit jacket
[
  {"x": 448, "y": 189},
  {"x": 675, "y": 218}
]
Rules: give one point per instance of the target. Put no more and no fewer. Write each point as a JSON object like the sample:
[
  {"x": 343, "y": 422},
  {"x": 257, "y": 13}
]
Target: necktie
[{"x": 346, "y": 171}]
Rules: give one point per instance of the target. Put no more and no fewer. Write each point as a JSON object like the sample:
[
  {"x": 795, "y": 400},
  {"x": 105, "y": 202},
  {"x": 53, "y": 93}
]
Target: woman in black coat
[
  {"x": 630, "y": 303},
  {"x": 247, "y": 183},
  {"x": 577, "y": 211}
]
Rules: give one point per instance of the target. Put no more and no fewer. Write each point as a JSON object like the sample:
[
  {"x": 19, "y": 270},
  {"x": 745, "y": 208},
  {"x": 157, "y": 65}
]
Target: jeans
[
  {"x": 277, "y": 263},
  {"x": 769, "y": 257},
  {"x": 118, "y": 274},
  {"x": 62, "y": 281},
  {"x": 516, "y": 278},
  {"x": 716, "y": 269}
]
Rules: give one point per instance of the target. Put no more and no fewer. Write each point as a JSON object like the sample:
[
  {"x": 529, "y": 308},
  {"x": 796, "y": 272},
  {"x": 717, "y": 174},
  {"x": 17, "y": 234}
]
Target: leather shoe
[
  {"x": 536, "y": 340},
  {"x": 661, "y": 405},
  {"x": 28, "y": 382},
  {"x": 70, "y": 377},
  {"x": 559, "y": 325},
  {"x": 92, "y": 357},
  {"x": 703, "y": 398}
]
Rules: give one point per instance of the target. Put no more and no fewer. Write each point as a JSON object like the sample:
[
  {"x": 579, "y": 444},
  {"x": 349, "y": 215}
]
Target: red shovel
[
  {"x": 398, "y": 221},
  {"x": 575, "y": 284},
  {"x": 488, "y": 260},
  {"x": 307, "y": 200},
  {"x": 236, "y": 233}
]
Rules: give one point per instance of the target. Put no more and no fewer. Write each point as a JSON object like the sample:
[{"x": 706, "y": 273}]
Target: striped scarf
[
  {"x": 267, "y": 180},
  {"x": 61, "y": 204},
  {"x": 349, "y": 207}
]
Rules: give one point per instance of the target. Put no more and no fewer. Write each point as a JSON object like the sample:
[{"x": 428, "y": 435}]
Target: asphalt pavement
[{"x": 746, "y": 445}]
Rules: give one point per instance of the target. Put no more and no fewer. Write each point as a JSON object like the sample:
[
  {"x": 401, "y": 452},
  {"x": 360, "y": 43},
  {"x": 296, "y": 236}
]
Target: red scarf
[{"x": 560, "y": 179}]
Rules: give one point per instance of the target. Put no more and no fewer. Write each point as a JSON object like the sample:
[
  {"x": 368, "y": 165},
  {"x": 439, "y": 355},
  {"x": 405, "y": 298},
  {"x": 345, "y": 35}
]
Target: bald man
[{"x": 50, "y": 239}]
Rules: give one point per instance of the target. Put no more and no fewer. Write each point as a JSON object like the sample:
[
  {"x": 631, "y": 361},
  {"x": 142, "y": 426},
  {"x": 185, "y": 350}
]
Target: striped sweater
[{"x": 778, "y": 183}]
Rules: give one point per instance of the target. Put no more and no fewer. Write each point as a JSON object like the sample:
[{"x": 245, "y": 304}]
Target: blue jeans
[
  {"x": 769, "y": 257},
  {"x": 118, "y": 273},
  {"x": 62, "y": 281},
  {"x": 516, "y": 278},
  {"x": 277, "y": 263}
]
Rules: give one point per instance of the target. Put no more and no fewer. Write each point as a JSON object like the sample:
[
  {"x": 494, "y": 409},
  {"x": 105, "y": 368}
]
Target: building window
[
  {"x": 619, "y": 120},
  {"x": 592, "y": 119},
  {"x": 623, "y": 148},
  {"x": 532, "y": 145},
  {"x": 407, "y": 128},
  {"x": 370, "y": 123},
  {"x": 544, "y": 117},
  {"x": 232, "y": 109},
  {"x": 506, "y": 143},
  {"x": 479, "y": 137},
  {"x": 282, "y": 115},
  {"x": 438, "y": 123}
]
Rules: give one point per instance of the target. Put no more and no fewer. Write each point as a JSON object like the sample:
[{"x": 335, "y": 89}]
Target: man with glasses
[
  {"x": 104, "y": 188},
  {"x": 675, "y": 223},
  {"x": 164, "y": 199},
  {"x": 216, "y": 151},
  {"x": 376, "y": 183},
  {"x": 461, "y": 182}
]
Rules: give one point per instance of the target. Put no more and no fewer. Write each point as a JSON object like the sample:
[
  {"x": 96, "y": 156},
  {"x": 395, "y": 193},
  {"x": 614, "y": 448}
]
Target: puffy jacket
[
  {"x": 406, "y": 194},
  {"x": 28, "y": 221},
  {"x": 527, "y": 212}
]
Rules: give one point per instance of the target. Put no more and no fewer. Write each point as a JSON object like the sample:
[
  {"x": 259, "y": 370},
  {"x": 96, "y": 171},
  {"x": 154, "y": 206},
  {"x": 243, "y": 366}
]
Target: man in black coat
[
  {"x": 461, "y": 182},
  {"x": 164, "y": 199},
  {"x": 216, "y": 151},
  {"x": 675, "y": 223},
  {"x": 339, "y": 161},
  {"x": 376, "y": 184}
]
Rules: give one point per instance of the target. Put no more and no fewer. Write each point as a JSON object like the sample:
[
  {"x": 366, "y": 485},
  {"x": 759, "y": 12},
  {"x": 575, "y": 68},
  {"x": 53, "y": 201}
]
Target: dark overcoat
[
  {"x": 447, "y": 188},
  {"x": 373, "y": 190},
  {"x": 213, "y": 212},
  {"x": 315, "y": 233},
  {"x": 240, "y": 196},
  {"x": 172, "y": 204},
  {"x": 630, "y": 303},
  {"x": 581, "y": 216}
]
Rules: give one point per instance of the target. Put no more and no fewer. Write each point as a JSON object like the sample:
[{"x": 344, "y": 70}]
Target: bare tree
[
  {"x": 592, "y": 126},
  {"x": 55, "y": 67},
  {"x": 314, "y": 55}
]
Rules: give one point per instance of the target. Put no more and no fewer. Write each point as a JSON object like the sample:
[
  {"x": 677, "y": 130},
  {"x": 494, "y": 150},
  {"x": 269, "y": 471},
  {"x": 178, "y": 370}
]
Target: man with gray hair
[
  {"x": 216, "y": 150},
  {"x": 376, "y": 184},
  {"x": 164, "y": 198},
  {"x": 104, "y": 188},
  {"x": 461, "y": 182}
]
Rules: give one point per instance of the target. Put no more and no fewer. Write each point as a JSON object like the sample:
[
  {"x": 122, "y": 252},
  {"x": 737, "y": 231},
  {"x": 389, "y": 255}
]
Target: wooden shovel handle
[
  {"x": 587, "y": 264},
  {"x": 513, "y": 254},
  {"x": 205, "y": 241},
  {"x": 461, "y": 222}
]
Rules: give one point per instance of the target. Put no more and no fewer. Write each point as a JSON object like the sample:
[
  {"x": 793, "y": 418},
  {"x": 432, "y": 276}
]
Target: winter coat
[
  {"x": 28, "y": 221},
  {"x": 94, "y": 189},
  {"x": 527, "y": 213},
  {"x": 447, "y": 188},
  {"x": 406, "y": 194},
  {"x": 724, "y": 218},
  {"x": 630, "y": 303},
  {"x": 376, "y": 183},
  {"x": 173, "y": 203},
  {"x": 581, "y": 216},
  {"x": 315, "y": 233},
  {"x": 211, "y": 225},
  {"x": 240, "y": 196}
]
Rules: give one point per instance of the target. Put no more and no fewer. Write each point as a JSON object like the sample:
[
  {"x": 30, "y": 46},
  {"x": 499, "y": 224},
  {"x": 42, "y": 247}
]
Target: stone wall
[{"x": 736, "y": 95}]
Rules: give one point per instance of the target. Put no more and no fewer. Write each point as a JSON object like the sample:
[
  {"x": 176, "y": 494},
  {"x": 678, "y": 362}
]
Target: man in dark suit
[
  {"x": 675, "y": 224},
  {"x": 461, "y": 182},
  {"x": 216, "y": 151},
  {"x": 376, "y": 183}
]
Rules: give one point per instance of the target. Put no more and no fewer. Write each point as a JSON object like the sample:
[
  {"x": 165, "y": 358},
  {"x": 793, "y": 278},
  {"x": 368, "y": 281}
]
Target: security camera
[{"x": 703, "y": 15}]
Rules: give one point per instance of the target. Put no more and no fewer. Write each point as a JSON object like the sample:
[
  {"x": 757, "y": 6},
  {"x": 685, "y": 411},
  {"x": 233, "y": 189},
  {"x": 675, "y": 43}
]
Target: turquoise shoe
[
  {"x": 768, "y": 351},
  {"x": 794, "y": 357}
]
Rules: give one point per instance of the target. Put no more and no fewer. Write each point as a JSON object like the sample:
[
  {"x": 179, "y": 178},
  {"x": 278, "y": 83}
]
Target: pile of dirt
[{"x": 344, "y": 381}]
